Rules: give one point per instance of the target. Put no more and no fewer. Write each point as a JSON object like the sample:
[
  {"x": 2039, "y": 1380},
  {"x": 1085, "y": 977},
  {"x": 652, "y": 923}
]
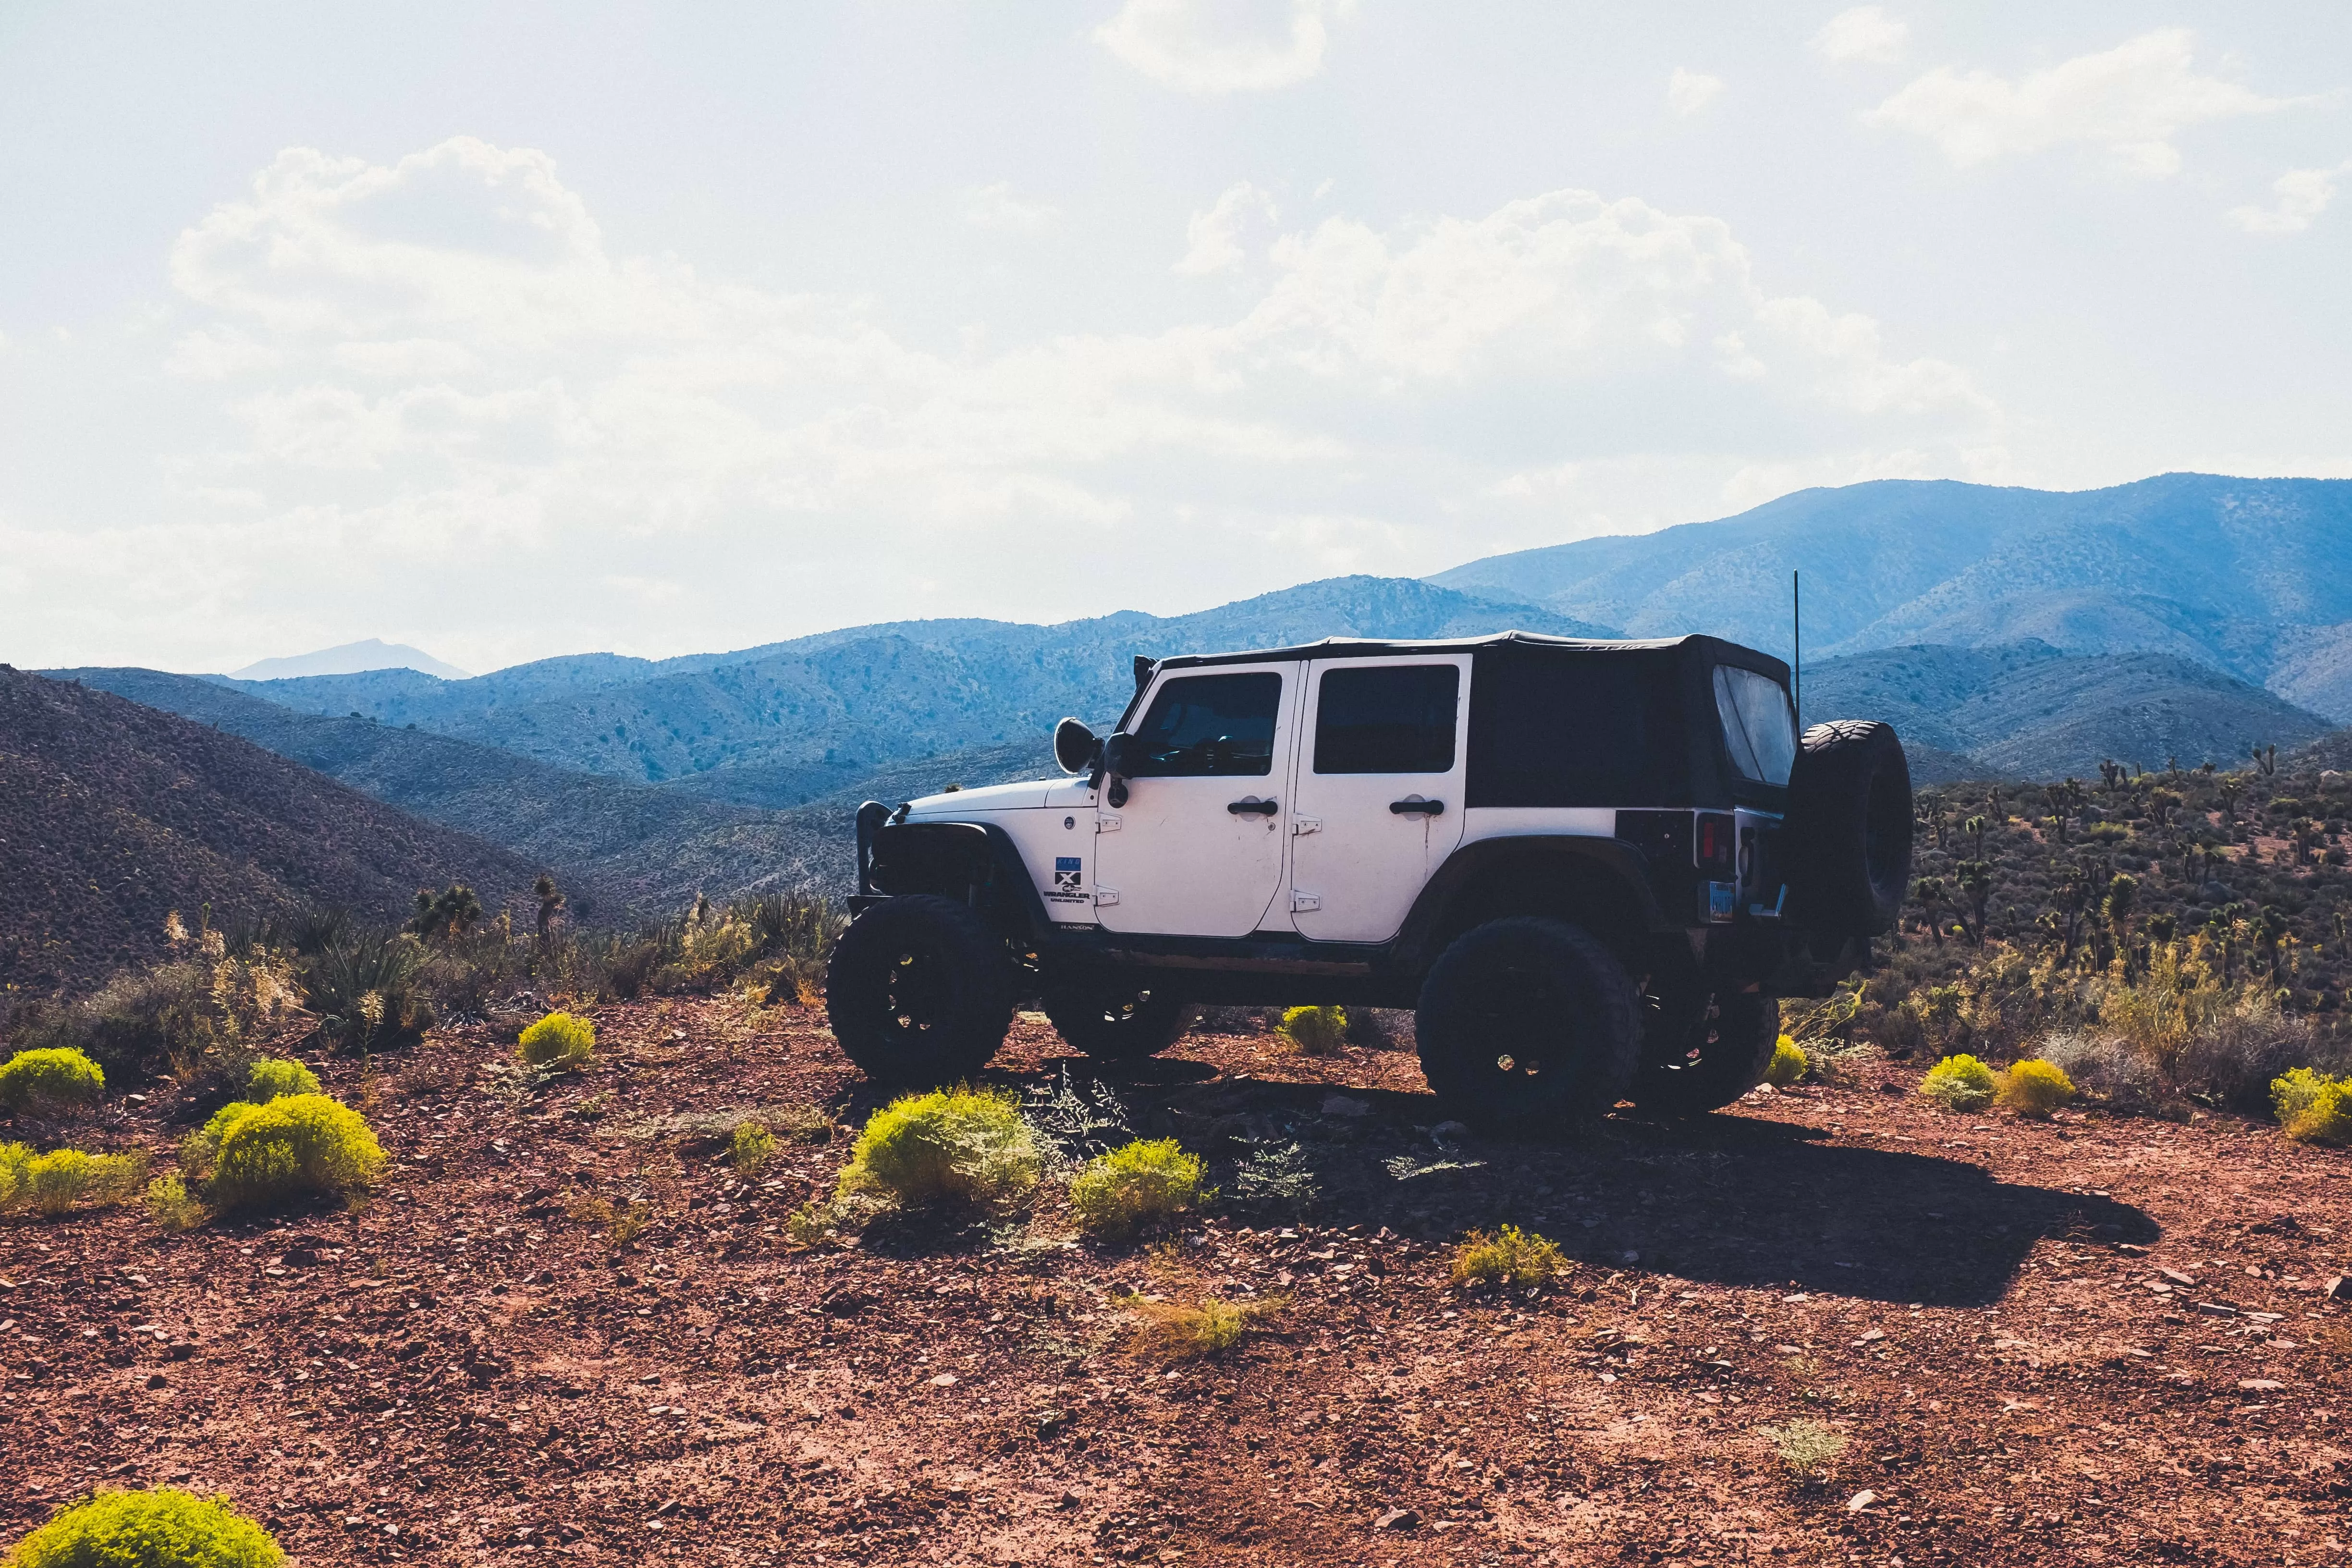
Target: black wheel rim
[
  {"x": 917, "y": 991},
  {"x": 1519, "y": 1046}
]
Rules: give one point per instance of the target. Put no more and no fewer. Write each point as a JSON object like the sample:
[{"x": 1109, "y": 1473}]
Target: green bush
[
  {"x": 1788, "y": 1063},
  {"x": 1314, "y": 1031},
  {"x": 1133, "y": 1187},
  {"x": 200, "y": 1150},
  {"x": 2035, "y": 1088},
  {"x": 50, "y": 1079},
  {"x": 173, "y": 1205},
  {"x": 1179, "y": 1330},
  {"x": 52, "y": 1185},
  {"x": 301, "y": 1145},
  {"x": 2313, "y": 1107},
  {"x": 1507, "y": 1256},
  {"x": 272, "y": 1077},
  {"x": 1807, "y": 1448},
  {"x": 561, "y": 1042},
  {"x": 751, "y": 1148},
  {"x": 165, "y": 1528},
  {"x": 962, "y": 1144},
  {"x": 1958, "y": 1083}
]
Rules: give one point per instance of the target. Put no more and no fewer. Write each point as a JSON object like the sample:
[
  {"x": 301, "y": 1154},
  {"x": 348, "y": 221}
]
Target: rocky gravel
[{"x": 1981, "y": 1340}]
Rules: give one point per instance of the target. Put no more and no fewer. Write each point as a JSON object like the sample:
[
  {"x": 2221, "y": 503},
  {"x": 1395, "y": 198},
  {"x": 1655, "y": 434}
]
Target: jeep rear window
[
  {"x": 1210, "y": 726},
  {"x": 1393, "y": 719},
  {"x": 1758, "y": 725},
  {"x": 1578, "y": 729}
]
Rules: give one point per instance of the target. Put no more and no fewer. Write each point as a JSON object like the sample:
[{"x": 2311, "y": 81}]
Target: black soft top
[
  {"x": 1713, "y": 649},
  {"x": 1531, "y": 730}
]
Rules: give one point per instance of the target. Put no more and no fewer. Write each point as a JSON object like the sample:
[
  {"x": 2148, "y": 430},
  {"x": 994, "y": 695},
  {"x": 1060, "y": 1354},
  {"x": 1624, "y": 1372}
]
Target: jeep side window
[
  {"x": 1758, "y": 725},
  {"x": 1216, "y": 726},
  {"x": 1395, "y": 719}
]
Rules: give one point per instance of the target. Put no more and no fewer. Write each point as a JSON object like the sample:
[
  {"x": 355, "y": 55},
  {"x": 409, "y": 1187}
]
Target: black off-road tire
[
  {"x": 1849, "y": 828},
  {"x": 1719, "y": 1052},
  {"x": 1527, "y": 1023},
  {"x": 1113, "y": 1025},
  {"x": 919, "y": 992}
]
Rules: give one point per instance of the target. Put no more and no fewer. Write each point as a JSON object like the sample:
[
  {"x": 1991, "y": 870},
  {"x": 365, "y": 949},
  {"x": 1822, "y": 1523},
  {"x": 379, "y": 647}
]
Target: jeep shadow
[{"x": 1736, "y": 1201}]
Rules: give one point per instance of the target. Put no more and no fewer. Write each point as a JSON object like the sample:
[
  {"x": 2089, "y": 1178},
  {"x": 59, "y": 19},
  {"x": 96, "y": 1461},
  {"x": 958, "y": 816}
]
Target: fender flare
[
  {"x": 976, "y": 862},
  {"x": 1621, "y": 868}
]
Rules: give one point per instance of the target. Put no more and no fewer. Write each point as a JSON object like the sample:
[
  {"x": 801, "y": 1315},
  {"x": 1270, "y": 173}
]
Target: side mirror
[
  {"x": 1115, "y": 759},
  {"x": 1073, "y": 746}
]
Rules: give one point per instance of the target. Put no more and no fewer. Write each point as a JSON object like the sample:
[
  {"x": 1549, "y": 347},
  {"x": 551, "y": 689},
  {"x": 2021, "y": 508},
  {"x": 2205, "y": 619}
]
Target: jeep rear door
[
  {"x": 1378, "y": 801},
  {"x": 1196, "y": 849}
]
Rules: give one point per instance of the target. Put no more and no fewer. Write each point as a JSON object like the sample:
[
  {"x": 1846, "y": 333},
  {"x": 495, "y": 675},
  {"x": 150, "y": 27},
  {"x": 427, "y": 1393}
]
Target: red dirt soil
[{"x": 2083, "y": 1342}]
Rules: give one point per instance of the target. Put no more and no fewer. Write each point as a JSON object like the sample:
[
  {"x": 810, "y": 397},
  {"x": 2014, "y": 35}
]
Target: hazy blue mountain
[
  {"x": 2026, "y": 709},
  {"x": 2251, "y": 577},
  {"x": 350, "y": 659},
  {"x": 801, "y": 720}
]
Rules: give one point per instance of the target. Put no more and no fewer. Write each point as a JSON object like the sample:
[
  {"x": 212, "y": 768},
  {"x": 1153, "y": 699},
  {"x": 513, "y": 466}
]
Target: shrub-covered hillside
[
  {"x": 112, "y": 814},
  {"x": 2190, "y": 914}
]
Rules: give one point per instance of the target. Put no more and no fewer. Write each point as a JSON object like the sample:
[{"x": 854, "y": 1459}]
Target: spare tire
[{"x": 1849, "y": 828}]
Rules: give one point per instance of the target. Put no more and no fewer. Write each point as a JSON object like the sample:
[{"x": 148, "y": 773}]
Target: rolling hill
[
  {"x": 628, "y": 851},
  {"x": 2027, "y": 711},
  {"x": 112, "y": 814},
  {"x": 2248, "y": 577}
]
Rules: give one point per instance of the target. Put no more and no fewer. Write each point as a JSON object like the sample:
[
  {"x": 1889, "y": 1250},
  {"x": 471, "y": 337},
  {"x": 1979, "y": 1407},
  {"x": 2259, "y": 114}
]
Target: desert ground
[{"x": 2093, "y": 1340}]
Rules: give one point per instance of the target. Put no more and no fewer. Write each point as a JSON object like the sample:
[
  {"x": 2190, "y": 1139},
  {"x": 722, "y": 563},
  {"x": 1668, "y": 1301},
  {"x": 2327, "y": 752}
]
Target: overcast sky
[{"x": 509, "y": 331}]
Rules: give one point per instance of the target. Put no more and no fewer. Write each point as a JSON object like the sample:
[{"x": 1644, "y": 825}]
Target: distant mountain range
[
  {"x": 2027, "y": 711},
  {"x": 798, "y": 722},
  {"x": 2052, "y": 631},
  {"x": 112, "y": 814},
  {"x": 351, "y": 658},
  {"x": 2248, "y": 577}
]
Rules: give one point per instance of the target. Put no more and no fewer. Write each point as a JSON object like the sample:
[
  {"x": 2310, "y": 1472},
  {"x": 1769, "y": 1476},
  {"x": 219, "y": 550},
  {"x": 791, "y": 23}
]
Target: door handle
[
  {"x": 1424, "y": 807},
  {"x": 1253, "y": 808}
]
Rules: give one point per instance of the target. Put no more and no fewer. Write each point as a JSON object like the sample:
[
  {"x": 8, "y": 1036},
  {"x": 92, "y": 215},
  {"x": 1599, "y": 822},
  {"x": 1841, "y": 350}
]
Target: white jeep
[{"x": 1592, "y": 866}]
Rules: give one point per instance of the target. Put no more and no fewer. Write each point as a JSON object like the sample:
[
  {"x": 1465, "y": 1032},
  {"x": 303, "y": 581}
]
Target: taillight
[{"x": 1717, "y": 848}]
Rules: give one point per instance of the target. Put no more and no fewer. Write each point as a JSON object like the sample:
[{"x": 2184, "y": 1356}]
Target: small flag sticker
[{"x": 1066, "y": 874}]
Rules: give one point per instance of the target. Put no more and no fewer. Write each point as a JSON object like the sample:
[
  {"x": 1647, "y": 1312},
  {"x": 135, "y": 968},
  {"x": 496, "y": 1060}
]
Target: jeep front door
[
  {"x": 1196, "y": 847},
  {"x": 1378, "y": 803}
]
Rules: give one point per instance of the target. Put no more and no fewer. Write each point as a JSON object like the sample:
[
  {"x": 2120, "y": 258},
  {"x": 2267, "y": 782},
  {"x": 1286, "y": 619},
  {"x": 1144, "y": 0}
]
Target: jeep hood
[{"x": 994, "y": 797}]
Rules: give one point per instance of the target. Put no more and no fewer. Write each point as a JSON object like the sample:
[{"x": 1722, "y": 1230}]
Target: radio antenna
[{"x": 1797, "y": 640}]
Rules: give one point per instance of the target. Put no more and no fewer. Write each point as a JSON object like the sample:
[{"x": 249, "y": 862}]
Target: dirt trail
[{"x": 2092, "y": 1340}]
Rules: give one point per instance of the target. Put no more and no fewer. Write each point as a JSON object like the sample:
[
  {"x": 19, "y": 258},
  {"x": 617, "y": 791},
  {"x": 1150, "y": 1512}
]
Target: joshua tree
[
  {"x": 2273, "y": 935},
  {"x": 1930, "y": 896},
  {"x": 551, "y": 904},
  {"x": 2266, "y": 759},
  {"x": 2123, "y": 893},
  {"x": 2232, "y": 786},
  {"x": 1974, "y": 877},
  {"x": 449, "y": 913}
]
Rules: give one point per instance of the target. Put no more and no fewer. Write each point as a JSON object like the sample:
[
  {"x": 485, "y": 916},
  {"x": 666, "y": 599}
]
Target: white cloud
[
  {"x": 995, "y": 206},
  {"x": 1689, "y": 91},
  {"x": 2130, "y": 100},
  {"x": 457, "y": 410},
  {"x": 2302, "y": 195},
  {"x": 1865, "y": 34},
  {"x": 1212, "y": 239},
  {"x": 1224, "y": 45}
]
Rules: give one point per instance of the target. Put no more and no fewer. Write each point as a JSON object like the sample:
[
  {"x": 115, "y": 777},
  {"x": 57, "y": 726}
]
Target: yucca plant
[{"x": 365, "y": 990}]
